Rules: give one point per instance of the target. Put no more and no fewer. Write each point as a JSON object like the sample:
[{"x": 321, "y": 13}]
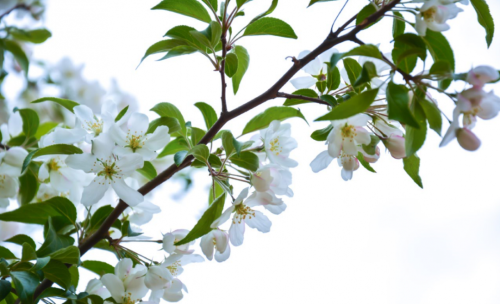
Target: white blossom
[
  {"x": 96, "y": 287},
  {"x": 126, "y": 285},
  {"x": 434, "y": 14},
  {"x": 278, "y": 144},
  {"x": 317, "y": 69},
  {"x": 216, "y": 241},
  {"x": 169, "y": 239},
  {"x": 481, "y": 75}
]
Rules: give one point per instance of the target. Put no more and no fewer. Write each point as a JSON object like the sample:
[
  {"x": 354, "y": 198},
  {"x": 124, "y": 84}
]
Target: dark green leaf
[
  {"x": 301, "y": 92},
  {"x": 75, "y": 275},
  {"x": 53, "y": 292},
  {"x": 440, "y": 50},
  {"x": 262, "y": 120},
  {"x": 246, "y": 160},
  {"x": 433, "y": 115},
  {"x": 18, "y": 53},
  {"x": 20, "y": 239},
  {"x": 398, "y": 25},
  {"x": 355, "y": 105},
  {"x": 25, "y": 284},
  {"x": 271, "y": 9},
  {"x": 318, "y": 1},
  {"x": 98, "y": 267},
  {"x": 329, "y": 99},
  {"x": 270, "y": 26},
  {"x": 333, "y": 79},
  {"x": 28, "y": 187},
  {"x": 179, "y": 157},
  {"x": 59, "y": 149},
  {"x": 230, "y": 144},
  {"x": 203, "y": 226},
  {"x": 415, "y": 137},
  {"x": 407, "y": 48},
  {"x": 121, "y": 114},
  {"x": 68, "y": 104},
  {"x": 99, "y": 217},
  {"x": 68, "y": 255},
  {"x": 179, "y": 51},
  {"x": 53, "y": 241},
  {"x": 58, "y": 273},
  {"x": 208, "y": 113},
  {"x": 191, "y": 8},
  {"x": 231, "y": 65},
  {"x": 40, "y": 212},
  {"x": 171, "y": 122},
  {"x": 40, "y": 263},
  {"x": 148, "y": 171},
  {"x": 364, "y": 163},
  {"x": 28, "y": 253},
  {"x": 353, "y": 69},
  {"x": 5, "y": 288},
  {"x": 163, "y": 47},
  {"x": 399, "y": 104},
  {"x": 366, "y": 12},
  {"x": 368, "y": 72},
  {"x": 243, "y": 62},
  {"x": 412, "y": 167},
  {"x": 441, "y": 68},
  {"x": 6, "y": 253},
  {"x": 33, "y": 36},
  {"x": 485, "y": 19},
  {"x": 322, "y": 134},
  {"x": 30, "y": 122}
]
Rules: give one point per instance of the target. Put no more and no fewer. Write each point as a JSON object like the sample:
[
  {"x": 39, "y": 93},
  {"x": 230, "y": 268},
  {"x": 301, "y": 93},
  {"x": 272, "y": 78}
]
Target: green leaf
[
  {"x": 174, "y": 146},
  {"x": 99, "y": 217},
  {"x": 262, "y": 120},
  {"x": 179, "y": 157},
  {"x": 59, "y": 149},
  {"x": 239, "y": 3},
  {"x": 333, "y": 79},
  {"x": 440, "y": 50},
  {"x": 183, "y": 33},
  {"x": 98, "y": 267},
  {"x": 6, "y": 254},
  {"x": 246, "y": 160},
  {"x": 270, "y": 26},
  {"x": 53, "y": 241},
  {"x": 301, "y": 92},
  {"x": 166, "y": 109},
  {"x": 441, "y": 68},
  {"x": 200, "y": 152},
  {"x": 196, "y": 135},
  {"x": 399, "y": 104},
  {"x": 415, "y": 137},
  {"x": 75, "y": 275},
  {"x": 230, "y": 144},
  {"x": 398, "y": 26},
  {"x": 243, "y": 62},
  {"x": 53, "y": 292},
  {"x": 271, "y": 9},
  {"x": 68, "y": 104},
  {"x": 148, "y": 171},
  {"x": 368, "y": 72},
  {"x": 209, "y": 37},
  {"x": 406, "y": 51},
  {"x": 485, "y": 19},
  {"x": 5, "y": 288},
  {"x": 163, "y": 47},
  {"x": 45, "y": 128},
  {"x": 231, "y": 64},
  {"x": 364, "y": 163},
  {"x": 353, "y": 69},
  {"x": 121, "y": 114},
  {"x": 203, "y": 226},
  {"x": 171, "y": 122},
  {"x": 412, "y": 167},
  {"x": 20, "y": 239},
  {"x": 208, "y": 113},
  {"x": 18, "y": 53},
  {"x": 322, "y": 134},
  {"x": 39, "y": 213},
  {"x": 191, "y": 8},
  {"x": 218, "y": 192},
  {"x": 40, "y": 263},
  {"x": 371, "y": 148},
  {"x": 179, "y": 51},
  {"x": 28, "y": 253},
  {"x": 25, "y": 284},
  {"x": 318, "y": 1},
  {"x": 33, "y": 36},
  {"x": 433, "y": 115},
  {"x": 58, "y": 273},
  {"x": 355, "y": 105},
  {"x": 68, "y": 255},
  {"x": 28, "y": 187},
  {"x": 366, "y": 12},
  {"x": 30, "y": 122}
]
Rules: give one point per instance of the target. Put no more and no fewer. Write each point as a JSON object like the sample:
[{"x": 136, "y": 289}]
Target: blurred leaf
[
  {"x": 415, "y": 137},
  {"x": 6, "y": 253},
  {"x": 230, "y": 144},
  {"x": 20, "y": 239},
  {"x": 398, "y": 26},
  {"x": 5, "y": 288},
  {"x": 148, "y": 171},
  {"x": 25, "y": 284},
  {"x": 317, "y": 1},
  {"x": 28, "y": 253},
  {"x": 179, "y": 157},
  {"x": 45, "y": 128},
  {"x": 200, "y": 152},
  {"x": 30, "y": 121},
  {"x": 68, "y": 104},
  {"x": 440, "y": 50},
  {"x": 163, "y": 47},
  {"x": 99, "y": 216},
  {"x": 33, "y": 36},
  {"x": 364, "y": 163},
  {"x": 262, "y": 120},
  {"x": 366, "y": 12},
  {"x": 121, "y": 114},
  {"x": 18, "y": 53},
  {"x": 68, "y": 255},
  {"x": 196, "y": 135},
  {"x": 59, "y": 149},
  {"x": 271, "y": 9},
  {"x": 53, "y": 241},
  {"x": 58, "y": 273},
  {"x": 39, "y": 213},
  {"x": 433, "y": 115},
  {"x": 353, "y": 69},
  {"x": 174, "y": 146},
  {"x": 28, "y": 187}
]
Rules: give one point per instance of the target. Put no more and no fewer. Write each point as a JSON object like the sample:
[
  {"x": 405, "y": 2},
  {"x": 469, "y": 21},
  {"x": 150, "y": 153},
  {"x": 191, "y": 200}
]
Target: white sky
[{"x": 376, "y": 239}]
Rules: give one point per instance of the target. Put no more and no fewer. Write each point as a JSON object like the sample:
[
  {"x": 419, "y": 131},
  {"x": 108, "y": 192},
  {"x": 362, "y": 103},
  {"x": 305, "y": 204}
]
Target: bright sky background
[{"x": 376, "y": 239}]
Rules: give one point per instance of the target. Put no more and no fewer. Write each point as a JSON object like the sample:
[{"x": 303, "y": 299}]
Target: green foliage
[
  {"x": 163, "y": 47},
  {"x": 271, "y": 9},
  {"x": 200, "y": 152},
  {"x": 179, "y": 157},
  {"x": 353, "y": 69},
  {"x": 366, "y": 12},
  {"x": 203, "y": 226},
  {"x": 28, "y": 187},
  {"x": 230, "y": 144},
  {"x": 243, "y": 63},
  {"x": 28, "y": 253},
  {"x": 210, "y": 37},
  {"x": 301, "y": 92},
  {"x": 58, "y": 273},
  {"x": 208, "y": 113},
  {"x": 5, "y": 288},
  {"x": 415, "y": 137},
  {"x": 15, "y": 49},
  {"x": 174, "y": 146},
  {"x": 231, "y": 64},
  {"x": 399, "y": 104},
  {"x": 68, "y": 255},
  {"x": 172, "y": 124},
  {"x": 440, "y": 50},
  {"x": 191, "y": 8},
  {"x": 407, "y": 49},
  {"x": 270, "y": 26},
  {"x": 68, "y": 104},
  {"x": 45, "y": 128},
  {"x": 355, "y": 105},
  {"x": 99, "y": 216},
  {"x": 30, "y": 121},
  {"x": 371, "y": 148},
  {"x": 148, "y": 171},
  {"x": 246, "y": 160},
  {"x": 20, "y": 239},
  {"x": 262, "y": 120},
  {"x": 53, "y": 241},
  {"x": 166, "y": 109},
  {"x": 121, "y": 114},
  {"x": 25, "y": 284},
  {"x": 59, "y": 149},
  {"x": 6, "y": 253},
  {"x": 412, "y": 167},
  {"x": 98, "y": 267},
  {"x": 368, "y": 72},
  {"x": 322, "y": 134},
  {"x": 485, "y": 19},
  {"x": 433, "y": 115},
  {"x": 39, "y": 213},
  {"x": 33, "y": 36},
  {"x": 398, "y": 25},
  {"x": 364, "y": 163},
  {"x": 333, "y": 79}
]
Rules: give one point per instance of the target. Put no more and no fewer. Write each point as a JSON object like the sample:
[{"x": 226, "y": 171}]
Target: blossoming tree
[{"x": 56, "y": 174}]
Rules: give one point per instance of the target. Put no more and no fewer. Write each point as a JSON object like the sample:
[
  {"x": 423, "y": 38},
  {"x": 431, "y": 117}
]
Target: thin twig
[{"x": 312, "y": 99}]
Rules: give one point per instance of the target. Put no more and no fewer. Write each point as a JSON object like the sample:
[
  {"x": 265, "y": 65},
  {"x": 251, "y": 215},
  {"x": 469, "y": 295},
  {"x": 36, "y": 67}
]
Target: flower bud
[
  {"x": 468, "y": 140},
  {"x": 481, "y": 75},
  {"x": 372, "y": 158},
  {"x": 396, "y": 146}
]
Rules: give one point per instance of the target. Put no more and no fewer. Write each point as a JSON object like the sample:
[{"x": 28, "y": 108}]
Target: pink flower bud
[
  {"x": 481, "y": 75},
  {"x": 468, "y": 140},
  {"x": 396, "y": 146},
  {"x": 372, "y": 158}
]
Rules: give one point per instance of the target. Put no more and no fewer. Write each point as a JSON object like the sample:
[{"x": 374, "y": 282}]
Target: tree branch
[
  {"x": 223, "y": 74},
  {"x": 4, "y": 147},
  {"x": 332, "y": 40},
  {"x": 19, "y": 6},
  {"x": 312, "y": 99}
]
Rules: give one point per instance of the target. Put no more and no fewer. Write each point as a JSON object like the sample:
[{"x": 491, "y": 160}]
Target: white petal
[
  {"x": 118, "y": 135},
  {"x": 159, "y": 139},
  {"x": 259, "y": 222},
  {"x": 138, "y": 124},
  {"x": 303, "y": 82},
  {"x": 84, "y": 113},
  {"x": 321, "y": 162},
  {"x": 129, "y": 163},
  {"x": 221, "y": 257},
  {"x": 128, "y": 195},
  {"x": 236, "y": 233},
  {"x": 223, "y": 218},
  {"x": 123, "y": 268},
  {"x": 207, "y": 245},
  {"x": 115, "y": 286},
  {"x": 86, "y": 162},
  {"x": 94, "y": 192}
]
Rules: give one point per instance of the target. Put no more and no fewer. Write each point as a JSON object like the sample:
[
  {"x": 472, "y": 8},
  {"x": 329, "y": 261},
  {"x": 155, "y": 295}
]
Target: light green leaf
[
  {"x": 40, "y": 263},
  {"x": 353, "y": 69},
  {"x": 33, "y": 36},
  {"x": 174, "y": 146},
  {"x": 179, "y": 51},
  {"x": 399, "y": 104},
  {"x": 301, "y": 92},
  {"x": 203, "y": 226},
  {"x": 243, "y": 62},
  {"x": 239, "y": 3},
  {"x": 368, "y": 72},
  {"x": 196, "y": 135},
  {"x": 355, "y": 105},
  {"x": 166, "y": 109},
  {"x": 98, "y": 267},
  {"x": 45, "y": 128},
  {"x": 25, "y": 284},
  {"x": 148, "y": 171},
  {"x": 412, "y": 167},
  {"x": 230, "y": 144},
  {"x": 485, "y": 19},
  {"x": 398, "y": 25},
  {"x": 231, "y": 64},
  {"x": 271, "y": 9},
  {"x": 208, "y": 113},
  {"x": 163, "y": 47},
  {"x": 191, "y": 8},
  {"x": 40, "y": 212},
  {"x": 68, "y": 255},
  {"x": 121, "y": 114},
  {"x": 59, "y": 149},
  {"x": 171, "y": 122},
  {"x": 68, "y": 104},
  {"x": 200, "y": 152},
  {"x": 270, "y": 26},
  {"x": 367, "y": 50},
  {"x": 333, "y": 79},
  {"x": 262, "y": 120}
]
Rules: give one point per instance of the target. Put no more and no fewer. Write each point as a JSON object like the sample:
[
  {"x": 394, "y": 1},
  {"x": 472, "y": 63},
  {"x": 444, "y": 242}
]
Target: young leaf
[
  {"x": 18, "y": 53},
  {"x": 398, "y": 25},
  {"x": 121, "y": 114},
  {"x": 98, "y": 267},
  {"x": 191, "y": 8},
  {"x": 246, "y": 160},
  {"x": 179, "y": 51},
  {"x": 412, "y": 167},
  {"x": 243, "y": 62},
  {"x": 179, "y": 157},
  {"x": 99, "y": 217},
  {"x": 166, "y": 109},
  {"x": 355, "y": 105},
  {"x": 174, "y": 146},
  {"x": 208, "y": 113},
  {"x": 365, "y": 164},
  {"x": 28, "y": 253},
  {"x": 25, "y": 284},
  {"x": 270, "y": 26},
  {"x": 30, "y": 122},
  {"x": 45, "y": 128},
  {"x": 368, "y": 72},
  {"x": 231, "y": 64},
  {"x": 432, "y": 114},
  {"x": 40, "y": 263},
  {"x": 68, "y": 104},
  {"x": 196, "y": 135},
  {"x": 163, "y": 47},
  {"x": 230, "y": 144},
  {"x": 485, "y": 19},
  {"x": 75, "y": 275},
  {"x": 301, "y": 92},
  {"x": 148, "y": 171},
  {"x": 59, "y": 149},
  {"x": 333, "y": 79},
  {"x": 262, "y": 120},
  {"x": 399, "y": 104},
  {"x": 353, "y": 69}
]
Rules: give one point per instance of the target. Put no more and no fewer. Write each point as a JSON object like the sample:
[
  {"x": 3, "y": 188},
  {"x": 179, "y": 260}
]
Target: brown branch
[
  {"x": 312, "y": 99},
  {"x": 19, "y": 6},
  {"x": 4, "y": 147},
  {"x": 332, "y": 40}
]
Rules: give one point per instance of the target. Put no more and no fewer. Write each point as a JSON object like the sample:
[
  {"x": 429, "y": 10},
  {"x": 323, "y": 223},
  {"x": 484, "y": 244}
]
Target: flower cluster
[{"x": 434, "y": 14}]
